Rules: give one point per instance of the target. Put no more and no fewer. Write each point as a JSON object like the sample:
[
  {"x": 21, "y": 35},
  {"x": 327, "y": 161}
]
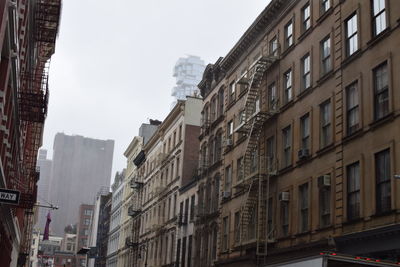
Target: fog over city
[{"x": 112, "y": 69}]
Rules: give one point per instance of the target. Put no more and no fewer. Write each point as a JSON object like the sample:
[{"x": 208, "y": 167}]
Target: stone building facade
[{"x": 307, "y": 105}]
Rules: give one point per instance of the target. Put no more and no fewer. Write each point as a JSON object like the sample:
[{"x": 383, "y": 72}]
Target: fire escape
[
  {"x": 32, "y": 106},
  {"x": 253, "y": 213}
]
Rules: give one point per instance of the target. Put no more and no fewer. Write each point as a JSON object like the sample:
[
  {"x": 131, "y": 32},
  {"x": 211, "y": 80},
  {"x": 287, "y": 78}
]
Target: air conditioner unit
[
  {"x": 226, "y": 194},
  {"x": 284, "y": 196},
  {"x": 324, "y": 180},
  {"x": 303, "y": 153},
  {"x": 228, "y": 142}
]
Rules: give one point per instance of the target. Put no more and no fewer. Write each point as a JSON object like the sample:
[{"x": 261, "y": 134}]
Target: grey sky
[{"x": 113, "y": 64}]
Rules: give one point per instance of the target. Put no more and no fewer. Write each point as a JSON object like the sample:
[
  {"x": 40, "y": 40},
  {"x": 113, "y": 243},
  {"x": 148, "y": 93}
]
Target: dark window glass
[
  {"x": 353, "y": 191},
  {"x": 381, "y": 91},
  {"x": 383, "y": 187}
]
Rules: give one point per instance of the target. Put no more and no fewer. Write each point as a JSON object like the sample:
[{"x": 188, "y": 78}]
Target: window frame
[
  {"x": 305, "y": 134},
  {"x": 325, "y": 194},
  {"x": 273, "y": 46},
  {"x": 287, "y": 144},
  {"x": 325, "y": 6},
  {"x": 285, "y": 217},
  {"x": 353, "y": 191},
  {"x": 326, "y": 60},
  {"x": 374, "y": 18},
  {"x": 305, "y": 72},
  {"x": 354, "y": 108},
  {"x": 326, "y": 126},
  {"x": 288, "y": 85},
  {"x": 232, "y": 92},
  {"x": 379, "y": 206},
  {"x": 385, "y": 91},
  {"x": 350, "y": 36},
  {"x": 304, "y": 207},
  {"x": 305, "y": 21},
  {"x": 289, "y": 37}
]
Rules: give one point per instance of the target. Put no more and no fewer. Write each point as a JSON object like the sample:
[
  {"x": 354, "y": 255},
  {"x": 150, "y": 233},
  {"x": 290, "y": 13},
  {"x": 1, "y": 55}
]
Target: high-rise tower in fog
[
  {"x": 188, "y": 72},
  {"x": 81, "y": 167}
]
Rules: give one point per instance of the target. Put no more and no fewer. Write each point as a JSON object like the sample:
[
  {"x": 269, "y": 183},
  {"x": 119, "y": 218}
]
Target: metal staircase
[{"x": 253, "y": 215}]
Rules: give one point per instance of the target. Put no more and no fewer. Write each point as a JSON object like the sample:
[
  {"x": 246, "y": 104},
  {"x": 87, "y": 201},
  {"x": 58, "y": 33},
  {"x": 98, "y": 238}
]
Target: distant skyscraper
[
  {"x": 43, "y": 186},
  {"x": 81, "y": 167},
  {"x": 188, "y": 73}
]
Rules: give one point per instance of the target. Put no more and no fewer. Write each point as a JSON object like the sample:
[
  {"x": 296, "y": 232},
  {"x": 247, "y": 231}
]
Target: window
[
  {"x": 270, "y": 226},
  {"x": 306, "y": 72},
  {"x": 192, "y": 203},
  {"x": 231, "y": 92},
  {"x": 305, "y": 131},
  {"x": 379, "y": 16},
  {"x": 237, "y": 227},
  {"x": 216, "y": 193},
  {"x": 178, "y": 163},
  {"x": 88, "y": 212},
  {"x": 273, "y": 47},
  {"x": 383, "y": 188},
  {"x": 220, "y": 102},
  {"x": 272, "y": 99},
  {"x": 271, "y": 154},
  {"x": 228, "y": 178},
  {"x": 86, "y": 222},
  {"x": 325, "y": 5},
  {"x": 351, "y": 35},
  {"x": 252, "y": 223},
  {"x": 240, "y": 169},
  {"x": 381, "y": 91},
  {"x": 214, "y": 245},
  {"x": 287, "y": 146},
  {"x": 230, "y": 129},
  {"x": 303, "y": 199},
  {"x": 325, "y": 205},
  {"x": 352, "y": 109},
  {"x": 326, "y": 131},
  {"x": 189, "y": 256},
  {"x": 218, "y": 146},
  {"x": 225, "y": 229},
  {"x": 353, "y": 191},
  {"x": 213, "y": 108},
  {"x": 180, "y": 132},
  {"x": 285, "y": 217},
  {"x": 326, "y": 55},
  {"x": 289, "y": 34},
  {"x": 306, "y": 17},
  {"x": 287, "y": 82}
]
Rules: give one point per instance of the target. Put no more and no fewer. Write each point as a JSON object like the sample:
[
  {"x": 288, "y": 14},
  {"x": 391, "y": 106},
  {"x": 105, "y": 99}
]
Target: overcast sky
[{"x": 112, "y": 69}]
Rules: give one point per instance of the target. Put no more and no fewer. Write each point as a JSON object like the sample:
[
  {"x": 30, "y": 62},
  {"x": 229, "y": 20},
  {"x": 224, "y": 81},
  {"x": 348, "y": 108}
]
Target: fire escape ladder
[{"x": 253, "y": 209}]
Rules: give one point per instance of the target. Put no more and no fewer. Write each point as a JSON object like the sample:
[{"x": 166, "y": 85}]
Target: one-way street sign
[{"x": 9, "y": 196}]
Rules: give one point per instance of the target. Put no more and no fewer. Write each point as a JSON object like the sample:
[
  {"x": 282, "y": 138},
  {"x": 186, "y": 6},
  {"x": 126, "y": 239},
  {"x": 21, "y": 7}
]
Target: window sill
[
  {"x": 352, "y": 221},
  {"x": 384, "y": 213},
  {"x": 240, "y": 140},
  {"x": 303, "y": 161},
  {"x": 301, "y": 234},
  {"x": 217, "y": 120},
  {"x": 351, "y": 58},
  {"x": 323, "y": 228},
  {"x": 242, "y": 93},
  {"x": 351, "y": 136},
  {"x": 305, "y": 33},
  {"x": 287, "y": 50},
  {"x": 286, "y": 105},
  {"x": 285, "y": 169},
  {"x": 325, "y": 15},
  {"x": 325, "y": 149},
  {"x": 325, "y": 77},
  {"x": 379, "y": 122},
  {"x": 305, "y": 92},
  {"x": 215, "y": 165},
  {"x": 376, "y": 39},
  {"x": 231, "y": 104}
]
